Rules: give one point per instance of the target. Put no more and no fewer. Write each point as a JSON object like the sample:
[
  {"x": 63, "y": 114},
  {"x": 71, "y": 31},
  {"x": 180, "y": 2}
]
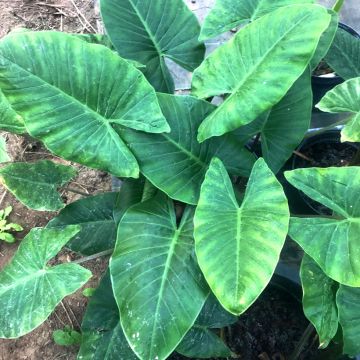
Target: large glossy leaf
[
  {"x": 35, "y": 184},
  {"x": 9, "y": 119},
  {"x": 29, "y": 288},
  {"x": 102, "y": 335},
  {"x": 150, "y": 31},
  {"x": 348, "y": 302},
  {"x": 157, "y": 283},
  {"x": 258, "y": 66},
  {"x": 201, "y": 341},
  {"x": 319, "y": 300},
  {"x": 238, "y": 246},
  {"x": 283, "y": 127},
  {"x": 345, "y": 98},
  {"x": 176, "y": 163},
  {"x": 76, "y": 92},
  {"x": 96, "y": 216},
  {"x": 332, "y": 242},
  {"x": 343, "y": 55},
  {"x": 228, "y": 14}
]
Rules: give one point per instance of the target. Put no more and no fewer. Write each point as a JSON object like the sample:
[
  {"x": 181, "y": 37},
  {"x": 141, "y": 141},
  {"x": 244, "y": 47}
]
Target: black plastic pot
[
  {"x": 325, "y": 150},
  {"x": 322, "y": 84}
]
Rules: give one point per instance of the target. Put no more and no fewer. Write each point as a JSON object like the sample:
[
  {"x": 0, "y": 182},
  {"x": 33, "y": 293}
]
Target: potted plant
[{"x": 192, "y": 248}]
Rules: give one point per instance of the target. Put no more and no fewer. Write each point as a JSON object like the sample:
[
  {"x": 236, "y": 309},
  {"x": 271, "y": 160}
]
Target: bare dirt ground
[{"x": 76, "y": 16}]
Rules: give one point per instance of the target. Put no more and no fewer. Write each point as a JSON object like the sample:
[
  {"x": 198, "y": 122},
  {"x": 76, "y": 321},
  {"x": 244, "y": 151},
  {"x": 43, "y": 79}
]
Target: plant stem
[
  {"x": 324, "y": 129},
  {"x": 76, "y": 191},
  {"x": 302, "y": 343},
  {"x": 338, "y": 5},
  {"x": 92, "y": 257}
]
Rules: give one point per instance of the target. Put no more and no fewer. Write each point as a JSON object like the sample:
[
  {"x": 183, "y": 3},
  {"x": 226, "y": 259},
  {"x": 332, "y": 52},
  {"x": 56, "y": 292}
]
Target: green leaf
[
  {"x": 13, "y": 227},
  {"x": 7, "y": 211},
  {"x": 102, "y": 335},
  {"x": 176, "y": 163},
  {"x": 273, "y": 51},
  {"x": 283, "y": 127},
  {"x": 4, "y": 156},
  {"x": 326, "y": 40},
  {"x": 100, "y": 39},
  {"x": 348, "y": 302},
  {"x": 157, "y": 283},
  {"x": 132, "y": 192},
  {"x": 331, "y": 242},
  {"x": 343, "y": 55},
  {"x": 9, "y": 238},
  {"x": 35, "y": 184},
  {"x": 89, "y": 292},
  {"x": 77, "y": 92},
  {"x": 9, "y": 119},
  {"x": 319, "y": 300},
  {"x": 345, "y": 98},
  {"x": 150, "y": 31},
  {"x": 29, "y": 288},
  {"x": 238, "y": 246},
  {"x": 96, "y": 215},
  {"x": 201, "y": 341},
  {"x": 229, "y": 14},
  {"x": 66, "y": 337},
  {"x": 213, "y": 315}
]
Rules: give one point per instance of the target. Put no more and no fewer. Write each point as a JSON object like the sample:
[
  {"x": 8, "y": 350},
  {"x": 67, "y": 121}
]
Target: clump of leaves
[
  {"x": 6, "y": 228},
  {"x": 67, "y": 336}
]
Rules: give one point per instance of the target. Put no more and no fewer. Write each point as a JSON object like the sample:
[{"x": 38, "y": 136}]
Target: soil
[
  {"x": 325, "y": 154},
  {"x": 269, "y": 330},
  {"x": 76, "y": 16},
  {"x": 323, "y": 69}
]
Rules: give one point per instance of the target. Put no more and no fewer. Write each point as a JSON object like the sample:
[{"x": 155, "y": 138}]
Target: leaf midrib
[
  {"x": 185, "y": 151},
  {"x": 85, "y": 108},
  {"x": 23, "y": 279},
  {"x": 51, "y": 185},
  {"x": 152, "y": 37},
  {"x": 256, "y": 65},
  {"x": 171, "y": 253}
]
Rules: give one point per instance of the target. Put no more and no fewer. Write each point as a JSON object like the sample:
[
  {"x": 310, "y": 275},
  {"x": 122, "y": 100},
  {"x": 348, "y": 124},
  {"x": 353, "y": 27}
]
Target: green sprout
[{"x": 5, "y": 227}]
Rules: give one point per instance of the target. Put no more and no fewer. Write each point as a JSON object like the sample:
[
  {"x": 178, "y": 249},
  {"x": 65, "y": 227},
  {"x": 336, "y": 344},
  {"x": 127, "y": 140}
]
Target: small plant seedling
[
  {"x": 88, "y": 292},
  {"x": 67, "y": 336},
  {"x": 6, "y": 228}
]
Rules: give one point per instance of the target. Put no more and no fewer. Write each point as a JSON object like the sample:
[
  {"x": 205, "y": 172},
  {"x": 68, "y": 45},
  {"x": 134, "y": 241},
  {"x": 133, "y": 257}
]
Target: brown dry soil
[{"x": 76, "y": 16}]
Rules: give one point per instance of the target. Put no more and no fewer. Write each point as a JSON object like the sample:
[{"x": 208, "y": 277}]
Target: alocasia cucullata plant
[{"x": 190, "y": 249}]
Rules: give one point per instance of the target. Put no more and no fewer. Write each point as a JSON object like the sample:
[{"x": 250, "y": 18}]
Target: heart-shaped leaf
[
  {"x": 77, "y": 92},
  {"x": 157, "y": 283},
  {"x": 238, "y": 246},
  {"x": 176, "y": 163},
  {"x": 258, "y": 66},
  {"x": 102, "y": 335},
  {"x": 96, "y": 216},
  {"x": 319, "y": 300},
  {"x": 9, "y": 119},
  {"x": 35, "y": 184},
  {"x": 150, "y": 31},
  {"x": 345, "y": 98},
  {"x": 29, "y": 288},
  {"x": 283, "y": 127},
  {"x": 229, "y": 14},
  {"x": 348, "y": 302},
  {"x": 343, "y": 55},
  {"x": 331, "y": 242}
]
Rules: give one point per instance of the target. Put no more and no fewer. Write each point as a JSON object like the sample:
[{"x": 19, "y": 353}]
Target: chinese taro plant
[{"x": 192, "y": 247}]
